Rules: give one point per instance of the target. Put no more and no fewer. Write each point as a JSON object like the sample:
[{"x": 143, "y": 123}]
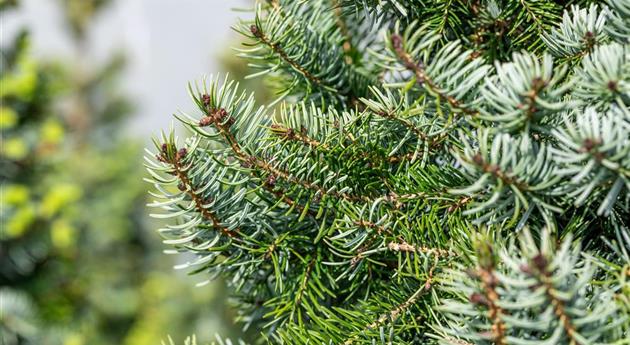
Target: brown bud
[
  {"x": 397, "y": 42},
  {"x": 612, "y": 86},
  {"x": 589, "y": 144},
  {"x": 206, "y": 121},
  {"x": 218, "y": 115},
  {"x": 221, "y": 113},
  {"x": 181, "y": 186},
  {"x": 205, "y": 98},
  {"x": 181, "y": 154},
  {"x": 540, "y": 262},
  {"x": 255, "y": 30}
]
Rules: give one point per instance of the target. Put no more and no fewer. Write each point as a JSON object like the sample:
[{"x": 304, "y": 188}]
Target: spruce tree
[{"x": 429, "y": 172}]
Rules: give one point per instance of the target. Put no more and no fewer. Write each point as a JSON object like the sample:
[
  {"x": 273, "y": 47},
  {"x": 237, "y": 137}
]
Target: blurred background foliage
[{"x": 79, "y": 261}]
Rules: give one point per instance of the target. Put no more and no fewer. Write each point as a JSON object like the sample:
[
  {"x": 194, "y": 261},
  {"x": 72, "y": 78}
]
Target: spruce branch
[
  {"x": 509, "y": 176},
  {"x": 423, "y": 79},
  {"x": 602, "y": 79},
  {"x": 536, "y": 15},
  {"x": 393, "y": 314},
  {"x": 175, "y": 158},
  {"x": 222, "y": 121},
  {"x": 594, "y": 152},
  {"x": 581, "y": 30},
  {"x": 541, "y": 273},
  {"x": 257, "y": 32},
  {"x": 284, "y": 38},
  {"x": 567, "y": 308},
  {"x": 524, "y": 93}
]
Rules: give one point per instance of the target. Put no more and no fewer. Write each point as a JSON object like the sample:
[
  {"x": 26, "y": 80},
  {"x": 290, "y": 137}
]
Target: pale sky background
[{"x": 167, "y": 42}]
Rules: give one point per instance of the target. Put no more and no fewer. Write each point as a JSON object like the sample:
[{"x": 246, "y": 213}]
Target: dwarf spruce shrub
[{"x": 429, "y": 172}]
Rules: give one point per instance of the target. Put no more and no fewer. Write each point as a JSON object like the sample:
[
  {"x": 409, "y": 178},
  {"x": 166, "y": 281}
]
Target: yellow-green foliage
[{"x": 76, "y": 259}]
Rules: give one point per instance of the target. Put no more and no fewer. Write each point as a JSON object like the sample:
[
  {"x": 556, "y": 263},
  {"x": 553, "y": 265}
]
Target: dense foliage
[{"x": 448, "y": 172}]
